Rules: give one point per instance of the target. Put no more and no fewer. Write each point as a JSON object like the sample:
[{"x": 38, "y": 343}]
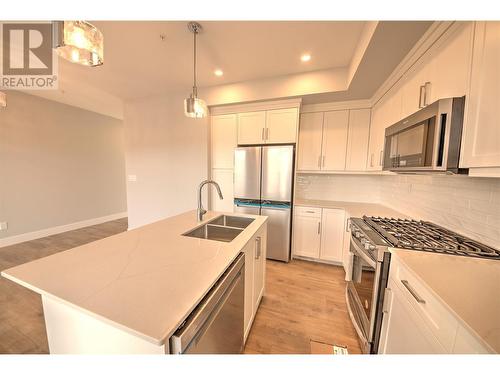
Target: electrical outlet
[{"x": 3, "y": 225}]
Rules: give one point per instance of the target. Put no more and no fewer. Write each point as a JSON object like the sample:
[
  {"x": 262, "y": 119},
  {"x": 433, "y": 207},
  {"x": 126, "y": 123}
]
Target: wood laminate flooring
[
  {"x": 304, "y": 301},
  {"x": 22, "y": 326}
]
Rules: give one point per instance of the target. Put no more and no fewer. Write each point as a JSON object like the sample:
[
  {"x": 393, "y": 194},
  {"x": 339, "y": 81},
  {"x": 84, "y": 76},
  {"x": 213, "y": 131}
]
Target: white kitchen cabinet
[
  {"x": 249, "y": 285},
  {"x": 281, "y": 126},
  {"x": 357, "y": 139},
  {"x": 442, "y": 72},
  {"x": 223, "y": 140},
  {"x": 403, "y": 329},
  {"x": 310, "y": 138},
  {"x": 260, "y": 251},
  {"x": 224, "y": 177},
  {"x": 318, "y": 233},
  {"x": 481, "y": 136},
  {"x": 334, "y": 140},
  {"x": 334, "y": 146},
  {"x": 306, "y": 235},
  {"x": 332, "y": 234},
  {"x": 255, "y": 275},
  {"x": 450, "y": 64},
  {"x": 251, "y": 127}
]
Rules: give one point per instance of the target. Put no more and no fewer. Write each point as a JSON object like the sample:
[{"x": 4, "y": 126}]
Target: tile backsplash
[
  {"x": 467, "y": 205},
  {"x": 470, "y": 206},
  {"x": 350, "y": 188}
]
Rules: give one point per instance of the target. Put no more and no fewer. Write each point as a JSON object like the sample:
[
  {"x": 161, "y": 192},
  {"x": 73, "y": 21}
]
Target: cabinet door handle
[
  {"x": 262, "y": 134},
  {"x": 421, "y": 96},
  {"x": 371, "y": 159},
  {"x": 310, "y": 212},
  {"x": 319, "y": 227},
  {"x": 412, "y": 291},
  {"x": 427, "y": 89},
  {"x": 323, "y": 161},
  {"x": 267, "y": 134},
  {"x": 258, "y": 247},
  {"x": 319, "y": 161},
  {"x": 347, "y": 224},
  {"x": 380, "y": 158}
]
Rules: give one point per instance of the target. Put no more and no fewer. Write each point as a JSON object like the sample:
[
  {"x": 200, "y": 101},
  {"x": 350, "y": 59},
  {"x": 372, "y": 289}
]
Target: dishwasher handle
[{"x": 192, "y": 325}]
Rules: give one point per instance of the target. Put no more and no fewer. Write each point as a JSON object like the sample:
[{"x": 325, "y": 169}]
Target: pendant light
[
  {"x": 194, "y": 106},
  {"x": 79, "y": 42}
]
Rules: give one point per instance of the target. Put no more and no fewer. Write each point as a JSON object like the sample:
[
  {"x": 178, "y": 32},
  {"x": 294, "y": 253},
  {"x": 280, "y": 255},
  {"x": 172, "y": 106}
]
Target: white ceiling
[{"x": 138, "y": 63}]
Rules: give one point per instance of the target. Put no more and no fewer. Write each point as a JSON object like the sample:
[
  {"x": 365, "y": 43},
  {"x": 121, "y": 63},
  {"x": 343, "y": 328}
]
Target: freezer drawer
[
  {"x": 278, "y": 229},
  {"x": 247, "y": 165},
  {"x": 277, "y": 173}
]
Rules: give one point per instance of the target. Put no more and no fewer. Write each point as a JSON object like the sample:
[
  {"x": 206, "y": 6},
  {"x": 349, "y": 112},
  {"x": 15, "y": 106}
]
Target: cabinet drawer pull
[
  {"x": 310, "y": 212},
  {"x": 319, "y": 227},
  {"x": 258, "y": 246},
  {"x": 412, "y": 291}
]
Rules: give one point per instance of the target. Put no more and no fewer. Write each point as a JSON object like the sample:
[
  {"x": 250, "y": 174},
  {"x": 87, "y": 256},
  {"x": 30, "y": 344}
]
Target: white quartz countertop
[
  {"x": 354, "y": 209},
  {"x": 145, "y": 281},
  {"x": 468, "y": 287}
]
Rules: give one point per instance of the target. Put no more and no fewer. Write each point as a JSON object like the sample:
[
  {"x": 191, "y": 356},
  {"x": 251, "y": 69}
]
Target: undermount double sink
[{"x": 223, "y": 228}]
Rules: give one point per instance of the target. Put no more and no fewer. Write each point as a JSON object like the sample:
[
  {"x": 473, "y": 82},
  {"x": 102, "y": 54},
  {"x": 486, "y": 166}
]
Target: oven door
[{"x": 362, "y": 294}]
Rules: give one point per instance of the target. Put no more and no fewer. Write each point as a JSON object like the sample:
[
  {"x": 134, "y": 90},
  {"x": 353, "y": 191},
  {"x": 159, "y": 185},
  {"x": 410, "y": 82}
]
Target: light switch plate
[{"x": 3, "y": 225}]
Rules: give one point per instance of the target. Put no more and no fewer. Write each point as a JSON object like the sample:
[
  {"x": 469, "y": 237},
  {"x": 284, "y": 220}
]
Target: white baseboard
[{"x": 12, "y": 240}]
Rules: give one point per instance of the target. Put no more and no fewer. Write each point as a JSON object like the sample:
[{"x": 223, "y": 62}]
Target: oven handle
[{"x": 362, "y": 254}]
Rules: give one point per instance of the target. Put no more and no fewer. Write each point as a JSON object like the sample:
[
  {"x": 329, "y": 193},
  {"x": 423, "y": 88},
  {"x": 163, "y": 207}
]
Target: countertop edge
[{"x": 442, "y": 301}]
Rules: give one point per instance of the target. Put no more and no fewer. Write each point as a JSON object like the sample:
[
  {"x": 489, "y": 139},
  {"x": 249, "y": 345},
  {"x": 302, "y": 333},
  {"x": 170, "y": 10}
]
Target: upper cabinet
[
  {"x": 281, "y": 125},
  {"x": 251, "y": 127},
  {"x": 335, "y": 128},
  {"x": 481, "y": 137},
  {"x": 442, "y": 72},
  {"x": 333, "y": 141},
  {"x": 310, "y": 138},
  {"x": 268, "y": 127},
  {"x": 357, "y": 139},
  {"x": 223, "y": 140}
]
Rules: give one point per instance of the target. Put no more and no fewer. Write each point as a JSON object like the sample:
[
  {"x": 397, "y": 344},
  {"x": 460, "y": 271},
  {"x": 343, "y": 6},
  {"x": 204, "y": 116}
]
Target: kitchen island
[{"x": 130, "y": 292}]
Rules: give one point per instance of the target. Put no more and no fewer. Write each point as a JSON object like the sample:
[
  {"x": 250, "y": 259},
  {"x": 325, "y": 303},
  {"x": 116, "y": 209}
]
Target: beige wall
[
  {"x": 58, "y": 165},
  {"x": 167, "y": 152}
]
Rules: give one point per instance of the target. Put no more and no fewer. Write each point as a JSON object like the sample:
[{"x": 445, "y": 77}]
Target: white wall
[
  {"x": 58, "y": 165},
  {"x": 167, "y": 152}
]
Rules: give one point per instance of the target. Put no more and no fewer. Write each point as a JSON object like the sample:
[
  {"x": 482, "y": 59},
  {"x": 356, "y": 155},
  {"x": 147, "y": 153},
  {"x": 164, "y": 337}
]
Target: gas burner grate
[{"x": 426, "y": 236}]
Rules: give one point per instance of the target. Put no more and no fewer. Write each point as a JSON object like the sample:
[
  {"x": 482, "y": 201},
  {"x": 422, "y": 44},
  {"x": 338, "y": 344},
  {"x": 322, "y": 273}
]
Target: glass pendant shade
[
  {"x": 79, "y": 42},
  {"x": 195, "y": 107}
]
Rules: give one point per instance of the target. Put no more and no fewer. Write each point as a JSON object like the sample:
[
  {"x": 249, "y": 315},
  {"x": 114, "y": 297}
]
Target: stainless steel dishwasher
[{"x": 216, "y": 325}]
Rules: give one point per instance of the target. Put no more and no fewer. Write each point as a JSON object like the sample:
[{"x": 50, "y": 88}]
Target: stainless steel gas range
[{"x": 371, "y": 238}]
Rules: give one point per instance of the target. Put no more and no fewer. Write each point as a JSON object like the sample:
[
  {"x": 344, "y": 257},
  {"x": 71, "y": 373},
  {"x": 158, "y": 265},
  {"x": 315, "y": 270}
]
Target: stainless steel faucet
[{"x": 201, "y": 211}]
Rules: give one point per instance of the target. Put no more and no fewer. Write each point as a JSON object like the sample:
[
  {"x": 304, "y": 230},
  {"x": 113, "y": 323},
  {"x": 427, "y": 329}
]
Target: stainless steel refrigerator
[{"x": 263, "y": 179}]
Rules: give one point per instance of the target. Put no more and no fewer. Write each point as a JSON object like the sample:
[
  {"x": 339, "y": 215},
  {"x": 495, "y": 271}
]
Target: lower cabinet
[
  {"x": 416, "y": 322},
  {"x": 318, "y": 233},
  {"x": 255, "y": 275},
  {"x": 403, "y": 330}
]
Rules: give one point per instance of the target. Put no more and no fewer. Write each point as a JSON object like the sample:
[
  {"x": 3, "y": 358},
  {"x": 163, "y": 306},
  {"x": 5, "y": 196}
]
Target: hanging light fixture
[
  {"x": 79, "y": 42},
  {"x": 194, "y": 106}
]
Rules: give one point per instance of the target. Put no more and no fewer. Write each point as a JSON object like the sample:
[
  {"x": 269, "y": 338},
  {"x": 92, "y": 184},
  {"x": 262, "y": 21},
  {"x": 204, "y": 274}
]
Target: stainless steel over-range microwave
[{"x": 428, "y": 140}]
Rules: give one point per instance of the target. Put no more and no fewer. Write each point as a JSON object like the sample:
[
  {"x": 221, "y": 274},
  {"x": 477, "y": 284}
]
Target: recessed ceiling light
[
  {"x": 218, "y": 72},
  {"x": 305, "y": 57}
]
